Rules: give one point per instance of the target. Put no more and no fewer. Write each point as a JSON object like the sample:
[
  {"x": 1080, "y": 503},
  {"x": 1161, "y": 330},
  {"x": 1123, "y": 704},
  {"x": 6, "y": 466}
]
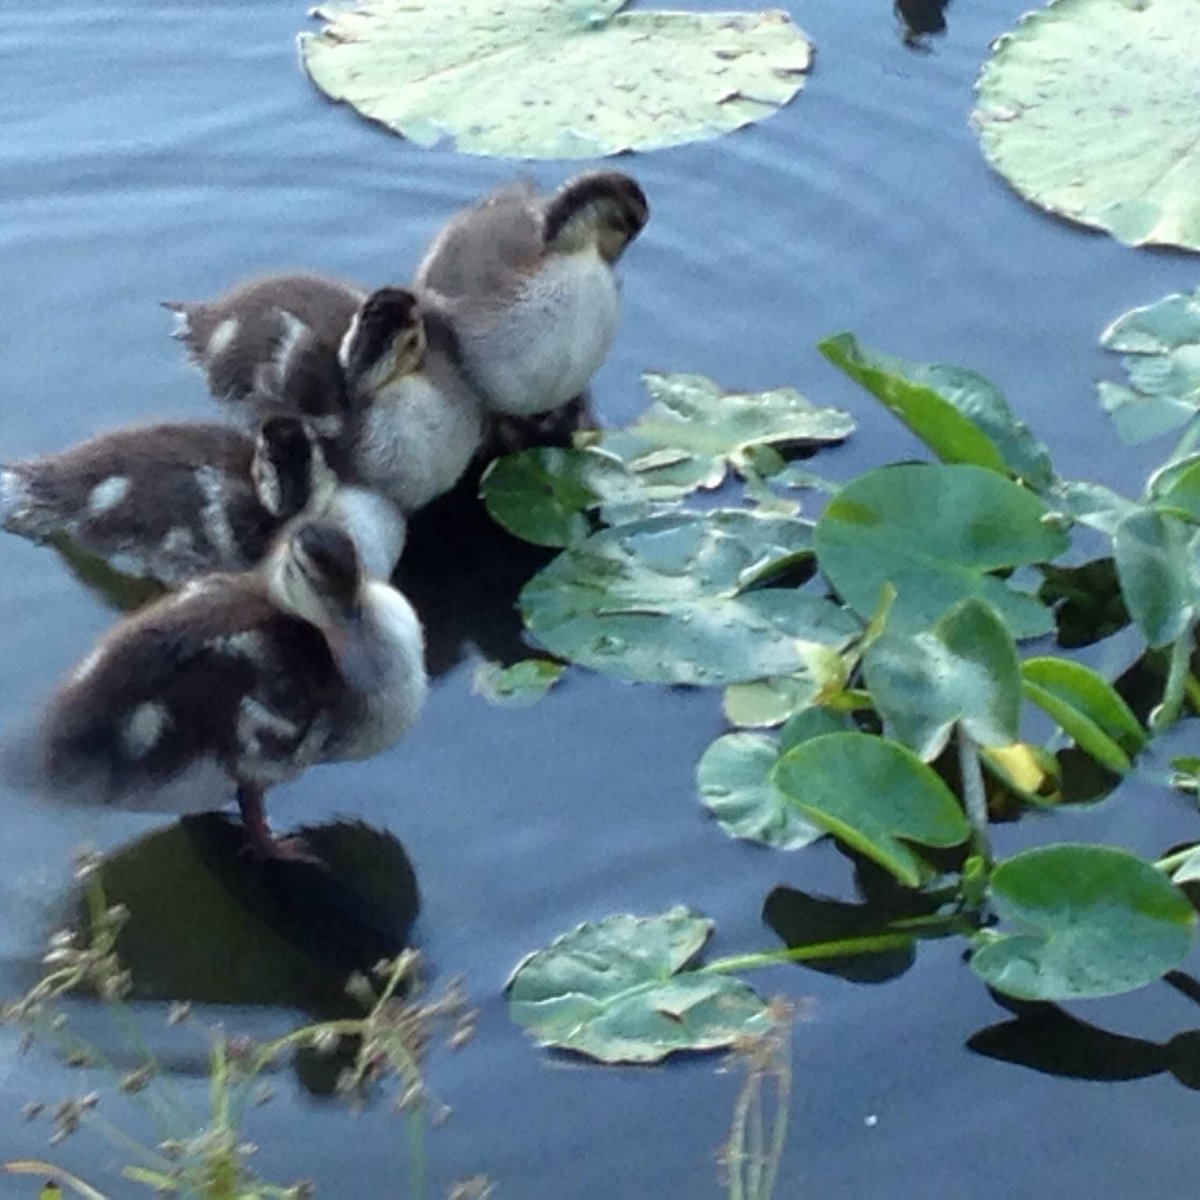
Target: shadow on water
[{"x": 920, "y": 20}]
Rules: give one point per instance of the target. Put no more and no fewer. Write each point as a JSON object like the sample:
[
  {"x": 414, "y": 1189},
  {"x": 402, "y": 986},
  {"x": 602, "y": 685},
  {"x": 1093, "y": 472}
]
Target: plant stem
[
  {"x": 974, "y": 797},
  {"x": 1167, "y": 713},
  {"x": 1172, "y": 862},
  {"x": 839, "y": 948},
  {"x": 1191, "y": 685}
]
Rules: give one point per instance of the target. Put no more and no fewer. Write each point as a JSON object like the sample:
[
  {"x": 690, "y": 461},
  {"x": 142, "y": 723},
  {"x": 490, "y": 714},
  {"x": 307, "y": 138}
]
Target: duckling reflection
[
  {"x": 921, "y": 19},
  {"x": 244, "y": 678}
]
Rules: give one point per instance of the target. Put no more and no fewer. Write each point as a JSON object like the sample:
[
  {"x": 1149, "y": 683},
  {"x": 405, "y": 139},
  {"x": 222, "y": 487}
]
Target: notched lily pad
[
  {"x": 617, "y": 990},
  {"x": 676, "y": 599},
  {"x": 522, "y": 683},
  {"x": 1088, "y": 108},
  {"x": 548, "y": 79},
  {"x": 1090, "y": 921}
]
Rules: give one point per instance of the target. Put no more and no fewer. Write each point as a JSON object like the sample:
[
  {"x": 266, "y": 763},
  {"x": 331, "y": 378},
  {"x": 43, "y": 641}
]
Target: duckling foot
[{"x": 260, "y": 841}]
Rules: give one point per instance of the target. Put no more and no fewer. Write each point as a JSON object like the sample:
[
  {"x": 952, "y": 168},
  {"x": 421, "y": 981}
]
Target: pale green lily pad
[
  {"x": 936, "y": 533},
  {"x": 675, "y": 599},
  {"x": 733, "y": 778},
  {"x": 1161, "y": 347},
  {"x": 769, "y": 702},
  {"x": 694, "y": 433},
  {"x": 962, "y": 671},
  {"x": 522, "y": 683},
  {"x": 1090, "y": 921},
  {"x": 1158, "y": 564},
  {"x": 554, "y": 79},
  {"x": 616, "y": 990},
  {"x": 1088, "y": 108}
]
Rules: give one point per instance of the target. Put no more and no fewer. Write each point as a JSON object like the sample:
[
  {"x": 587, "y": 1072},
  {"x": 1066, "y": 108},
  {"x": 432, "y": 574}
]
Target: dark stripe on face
[{"x": 384, "y": 316}]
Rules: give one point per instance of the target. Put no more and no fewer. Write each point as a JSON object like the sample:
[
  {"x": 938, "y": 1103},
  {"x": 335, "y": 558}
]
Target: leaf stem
[
  {"x": 1167, "y": 712},
  {"x": 974, "y": 797},
  {"x": 813, "y": 951},
  {"x": 1172, "y": 862}
]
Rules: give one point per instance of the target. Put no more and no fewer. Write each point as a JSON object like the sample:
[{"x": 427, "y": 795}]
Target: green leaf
[
  {"x": 769, "y": 702},
  {"x": 875, "y": 796},
  {"x": 546, "y": 495},
  {"x": 958, "y": 414},
  {"x": 548, "y": 79},
  {"x": 616, "y": 990},
  {"x": 1090, "y": 921},
  {"x": 1176, "y": 486},
  {"x": 936, "y": 533},
  {"x": 733, "y": 777},
  {"x": 1156, "y": 564},
  {"x": 1091, "y": 504},
  {"x": 1087, "y": 708},
  {"x": 1188, "y": 871},
  {"x": 1088, "y": 109},
  {"x": 1161, "y": 347},
  {"x": 522, "y": 683},
  {"x": 673, "y": 599},
  {"x": 963, "y": 670},
  {"x": 693, "y": 433}
]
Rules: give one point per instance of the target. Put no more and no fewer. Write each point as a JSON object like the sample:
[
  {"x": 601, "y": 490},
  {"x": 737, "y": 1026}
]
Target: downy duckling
[
  {"x": 527, "y": 284},
  {"x": 173, "y": 501},
  {"x": 270, "y": 339},
  {"x": 246, "y": 678}
]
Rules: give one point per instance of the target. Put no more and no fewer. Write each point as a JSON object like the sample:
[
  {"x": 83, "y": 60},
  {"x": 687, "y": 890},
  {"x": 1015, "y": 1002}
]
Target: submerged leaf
[
  {"x": 548, "y": 79},
  {"x": 522, "y": 683},
  {"x": 875, "y": 796},
  {"x": 1090, "y": 921},
  {"x": 673, "y": 599},
  {"x": 616, "y": 990},
  {"x": 1088, "y": 108},
  {"x": 936, "y": 534}
]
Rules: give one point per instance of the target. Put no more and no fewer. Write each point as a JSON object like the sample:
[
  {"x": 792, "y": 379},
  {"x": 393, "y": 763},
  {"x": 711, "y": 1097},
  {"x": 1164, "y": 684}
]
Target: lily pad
[
  {"x": 769, "y": 702},
  {"x": 1156, "y": 557},
  {"x": 693, "y": 433},
  {"x": 875, "y": 796},
  {"x": 1161, "y": 347},
  {"x": 1091, "y": 921},
  {"x": 936, "y": 533},
  {"x": 676, "y": 599},
  {"x": 962, "y": 671},
  {"x": 547, "y": 79},
  {"x": 522, "y": 683},
  {"x": 957, "y": 413},
  {"x": 733, "y": 778},
  {"x": 1088, "y": 108},
  {"x": 616, "y": 990}
]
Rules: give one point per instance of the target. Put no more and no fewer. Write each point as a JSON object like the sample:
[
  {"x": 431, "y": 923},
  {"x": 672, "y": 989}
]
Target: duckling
[
  {"x": 244, "y": 678},
  {"x": 271, "y": 338},
  {"x": 527, "y": 284},
  {"x": 173, "y": 501}
]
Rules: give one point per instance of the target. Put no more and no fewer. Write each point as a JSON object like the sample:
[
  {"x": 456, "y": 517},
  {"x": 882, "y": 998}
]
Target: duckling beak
[{"x": 352, "y": 644}]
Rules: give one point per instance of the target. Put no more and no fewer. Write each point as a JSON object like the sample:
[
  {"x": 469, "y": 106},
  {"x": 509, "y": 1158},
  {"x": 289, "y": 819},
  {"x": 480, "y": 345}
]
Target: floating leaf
[
  {"x": 1087, "y": 708},
  {"x": 958, "y": 414},
  {"x": 522, "y": 683},
  {"x": 547, "y": 79},
  {"x": 733, "y": 777},
  {"x": 768, "y": 702},
  {"x": 875, "y": 796},
  {"x": 546, "y": 495},
  {"x": 693, "y": 433},
  {"x": 616, "y": 990},
  {"x": 962, "y": 671},
  {"x": 1091, "y": 504},
  {"x": 1156, "y": 564},
  {"x": 935, "y": 533},
  {"x": 1088, "y": 109},
  {"x": 1176, "y": 487},
  {"x": 673, "y": 599},
  {"x": 1161, "y": 347},
  {"x": 1091, "y": 921}
]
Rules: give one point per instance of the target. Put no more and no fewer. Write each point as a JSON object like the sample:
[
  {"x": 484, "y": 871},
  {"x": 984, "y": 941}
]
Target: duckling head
[
  {"x": 386, "y": 339},
  {"x": 289, "y": 470},
  {"x": 605, "y": 209},
  {"x": 314, "y": 573}
]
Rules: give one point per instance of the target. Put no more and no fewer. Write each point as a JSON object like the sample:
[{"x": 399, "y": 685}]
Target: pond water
[{"x": 155, "y": 149}]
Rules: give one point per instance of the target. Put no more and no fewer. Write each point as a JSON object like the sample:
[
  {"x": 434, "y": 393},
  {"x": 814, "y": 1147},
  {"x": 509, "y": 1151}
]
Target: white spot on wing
[
  {"x": 143, "y": 728},
  {"x": 107, "y": 494},
  {"x": 293, "y": 330},
  {"x": 222, "y": 337},
  {"x": 178, "y": 540},
  {"x": 213, "y": 516}
]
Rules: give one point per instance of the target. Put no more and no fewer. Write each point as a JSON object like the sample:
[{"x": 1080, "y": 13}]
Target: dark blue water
[{"x": 157, "y": 150}]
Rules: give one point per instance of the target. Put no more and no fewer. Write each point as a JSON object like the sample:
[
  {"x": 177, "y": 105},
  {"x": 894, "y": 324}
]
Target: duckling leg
[{"x": 262, "y": 843}]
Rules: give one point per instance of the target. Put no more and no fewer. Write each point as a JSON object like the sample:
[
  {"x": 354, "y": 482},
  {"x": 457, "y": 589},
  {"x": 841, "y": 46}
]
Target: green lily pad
[
  {"x": 958, "y": 414},
  {"x": 876, "y": 797},
  {"x": 1160, "y": 343},
  {"x": 1175, "y": 487},
  {"x": 1088, "y": 108},
  {"x": 522, "y": 683},
  {"x": 616, "y": 990},
  {"x": 1091, "y": 504},
  {"x": 1091, "y": 921},
  {"x": 1156, "y": 557},
  {"x": 547, "y": 79},
  {"x": 733, "y": 777},
  {"x": 936, "y": 533},
  {"x": 1087, "y": 708},
  {"x": 962, "y": 671},
  {"x": 675, "y": 599},
  {"x": 545, "y": 495},
  {"x": 693, "y": 433},
  {"x": 766, "y": 703}
]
